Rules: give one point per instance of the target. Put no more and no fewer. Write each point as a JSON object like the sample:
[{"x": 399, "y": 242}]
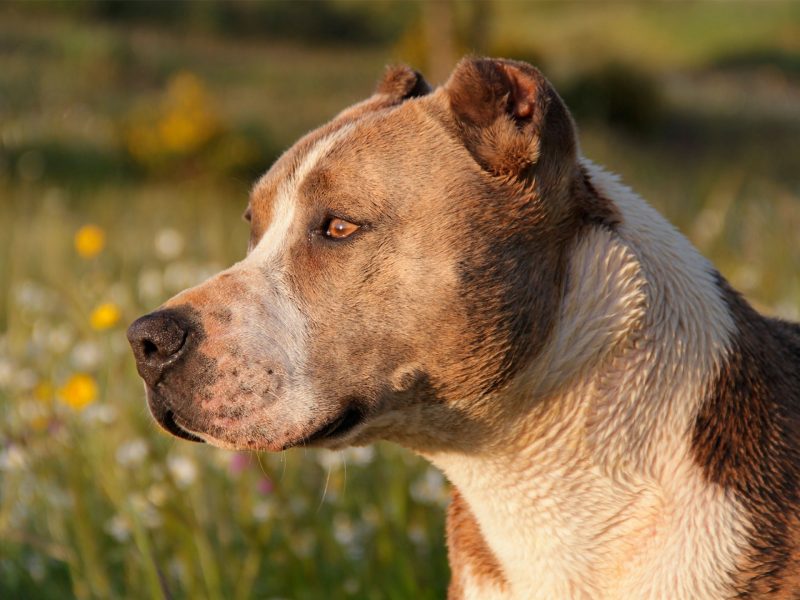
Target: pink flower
[
  {"x": 264, "y": 486},
  {"x": 239, "y": 462}
]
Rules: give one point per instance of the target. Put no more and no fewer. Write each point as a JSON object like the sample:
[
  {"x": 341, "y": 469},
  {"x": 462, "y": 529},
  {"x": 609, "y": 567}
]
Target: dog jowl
[{"x": 443, "y": 269}]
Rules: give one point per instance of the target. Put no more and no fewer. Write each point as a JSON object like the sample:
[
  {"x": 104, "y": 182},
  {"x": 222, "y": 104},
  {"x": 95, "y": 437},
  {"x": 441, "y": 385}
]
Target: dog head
[{"x": 406, "y": 262}]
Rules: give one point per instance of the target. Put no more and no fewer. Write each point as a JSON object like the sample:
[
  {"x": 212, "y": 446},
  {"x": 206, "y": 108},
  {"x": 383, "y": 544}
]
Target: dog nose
[{"x": 157, "y": 340}]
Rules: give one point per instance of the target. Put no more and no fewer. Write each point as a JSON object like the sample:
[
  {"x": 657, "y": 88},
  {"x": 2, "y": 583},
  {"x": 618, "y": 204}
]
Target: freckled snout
[{"x": 158, "y": 340}]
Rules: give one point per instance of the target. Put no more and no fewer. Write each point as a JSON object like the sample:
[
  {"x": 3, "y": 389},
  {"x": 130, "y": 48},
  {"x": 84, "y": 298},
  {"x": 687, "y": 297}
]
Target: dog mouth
[
  {"x": 337, "y": 428},
  {"x": 165, "y": 417},
  {"x": 169, "y": 423}
]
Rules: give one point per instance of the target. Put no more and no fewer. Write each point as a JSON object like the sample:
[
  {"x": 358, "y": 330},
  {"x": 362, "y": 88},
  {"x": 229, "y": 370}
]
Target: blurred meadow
[{"x": 129, "y": 136}]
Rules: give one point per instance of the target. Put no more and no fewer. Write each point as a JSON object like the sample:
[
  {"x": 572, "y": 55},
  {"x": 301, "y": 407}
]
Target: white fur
[
  {"x": 274, "y": 240},
  {"x": 595, "y": 494}
]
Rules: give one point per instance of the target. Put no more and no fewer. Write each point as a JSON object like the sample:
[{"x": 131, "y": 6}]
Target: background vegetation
[{"x": 129, "y": 135}]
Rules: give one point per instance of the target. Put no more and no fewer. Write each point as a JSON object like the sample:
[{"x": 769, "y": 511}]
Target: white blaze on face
[
  {"x": 280, "y": 336},
  {"x": 276, "y": 238}
]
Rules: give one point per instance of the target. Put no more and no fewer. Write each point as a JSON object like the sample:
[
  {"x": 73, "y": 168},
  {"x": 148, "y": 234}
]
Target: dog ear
[
  {"x": 400, "y": 83},
  {"x": 512, "y": 120}
]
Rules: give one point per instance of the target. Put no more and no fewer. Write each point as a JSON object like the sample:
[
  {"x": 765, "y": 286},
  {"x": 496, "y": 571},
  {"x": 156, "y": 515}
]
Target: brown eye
[
  {"x": 248, "y": 215},
  {"x": 339, "y": 229}
]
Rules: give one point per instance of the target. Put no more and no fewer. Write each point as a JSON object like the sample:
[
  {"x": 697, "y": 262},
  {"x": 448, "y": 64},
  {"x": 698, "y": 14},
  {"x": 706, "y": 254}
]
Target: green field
[{"x": 127, "y": 147}]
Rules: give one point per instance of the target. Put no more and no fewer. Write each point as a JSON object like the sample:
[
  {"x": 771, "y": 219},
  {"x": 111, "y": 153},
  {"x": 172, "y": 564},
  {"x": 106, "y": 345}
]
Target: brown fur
[
  {"x": 746, "y": 439},
  {"x": 469, "y": 201},
  {"x": 469, "y": 556}
]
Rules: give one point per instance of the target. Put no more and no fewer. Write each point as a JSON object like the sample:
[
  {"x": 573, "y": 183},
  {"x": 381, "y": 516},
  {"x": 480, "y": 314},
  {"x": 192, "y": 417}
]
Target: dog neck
[{"x": 590, "y": 490}]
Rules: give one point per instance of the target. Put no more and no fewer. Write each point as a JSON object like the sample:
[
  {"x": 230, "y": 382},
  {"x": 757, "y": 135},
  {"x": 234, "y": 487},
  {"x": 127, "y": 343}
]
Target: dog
[{"x": 443, "y": 269}]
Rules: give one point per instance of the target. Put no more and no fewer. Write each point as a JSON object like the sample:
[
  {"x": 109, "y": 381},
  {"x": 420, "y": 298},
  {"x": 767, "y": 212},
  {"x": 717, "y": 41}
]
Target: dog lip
[
  {"x": 338, "y": 427},
  {"x": 169, "y": 423},
  {"x": 165, "y": 416}
]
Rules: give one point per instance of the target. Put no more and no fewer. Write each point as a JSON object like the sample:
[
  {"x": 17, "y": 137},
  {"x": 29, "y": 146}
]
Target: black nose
[{"x": 158, "y": 340}]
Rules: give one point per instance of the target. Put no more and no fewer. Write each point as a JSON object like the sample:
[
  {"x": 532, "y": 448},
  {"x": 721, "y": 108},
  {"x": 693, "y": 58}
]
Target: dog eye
[
  {"x": 339, "y": 229},
  {"x": 248, "y": 215}
]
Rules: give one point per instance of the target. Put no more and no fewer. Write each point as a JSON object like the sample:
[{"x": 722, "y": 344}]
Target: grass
[{"x": 94, "y": 502}]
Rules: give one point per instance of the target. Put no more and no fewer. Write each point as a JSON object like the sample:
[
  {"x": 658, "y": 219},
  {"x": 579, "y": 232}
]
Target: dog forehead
[
  {"x": 397, "y": 150},
  {"x": 373, "y": 147}
]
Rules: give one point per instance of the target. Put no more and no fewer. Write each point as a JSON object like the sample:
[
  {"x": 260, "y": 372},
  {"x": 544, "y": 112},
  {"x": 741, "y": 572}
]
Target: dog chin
[
  {"x": 167, "y": 418},
  {"x": 344, "y": 429}
]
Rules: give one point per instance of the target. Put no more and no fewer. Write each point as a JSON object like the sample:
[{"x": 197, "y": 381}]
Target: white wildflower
[
  {"x": 343, "y": 530},
  {"x": 12, "y": 458},
  {"x": 169, "y": 243},
  {"x": 145, "y": 511},
  {"x": 157, "y": 494},
  {"x": 359, "y": 456},
  {"x": 119, "y": 528},
  {"x": 263, "y": 510},
  {"x": 150, "y": 284},
  {"x": 183, "y": 470},
  {"x": 329, "y": 459},
  {"x": 132, "y": 453},
  {"x": 31, "y": 296},
  {"x": 430, "y": 488},
  {"x": 98, "y": 412},
  {"x": 86, "y": 356}
]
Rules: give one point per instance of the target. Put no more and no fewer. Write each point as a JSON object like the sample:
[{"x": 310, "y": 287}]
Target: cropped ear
[
  {"x": 512, "y": 120},
  {"x": 400, "y": 83}
]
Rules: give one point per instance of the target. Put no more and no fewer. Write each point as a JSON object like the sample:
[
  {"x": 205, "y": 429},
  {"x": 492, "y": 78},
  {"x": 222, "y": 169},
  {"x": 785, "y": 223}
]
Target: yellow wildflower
[
  {"x": 104, "y": 316},
  {"x": 90, "y": 241},
  {"x": 189, "y": 121},
  {"x": 179, "y": 133},
  {"x": 79, "y": 391}
]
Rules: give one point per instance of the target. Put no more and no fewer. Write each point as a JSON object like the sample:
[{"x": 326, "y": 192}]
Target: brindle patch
[{"x": 746, "y": 439}]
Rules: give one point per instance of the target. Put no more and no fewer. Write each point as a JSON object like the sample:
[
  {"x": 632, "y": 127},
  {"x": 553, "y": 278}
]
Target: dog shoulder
[{"x": 747, "y": 439}]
